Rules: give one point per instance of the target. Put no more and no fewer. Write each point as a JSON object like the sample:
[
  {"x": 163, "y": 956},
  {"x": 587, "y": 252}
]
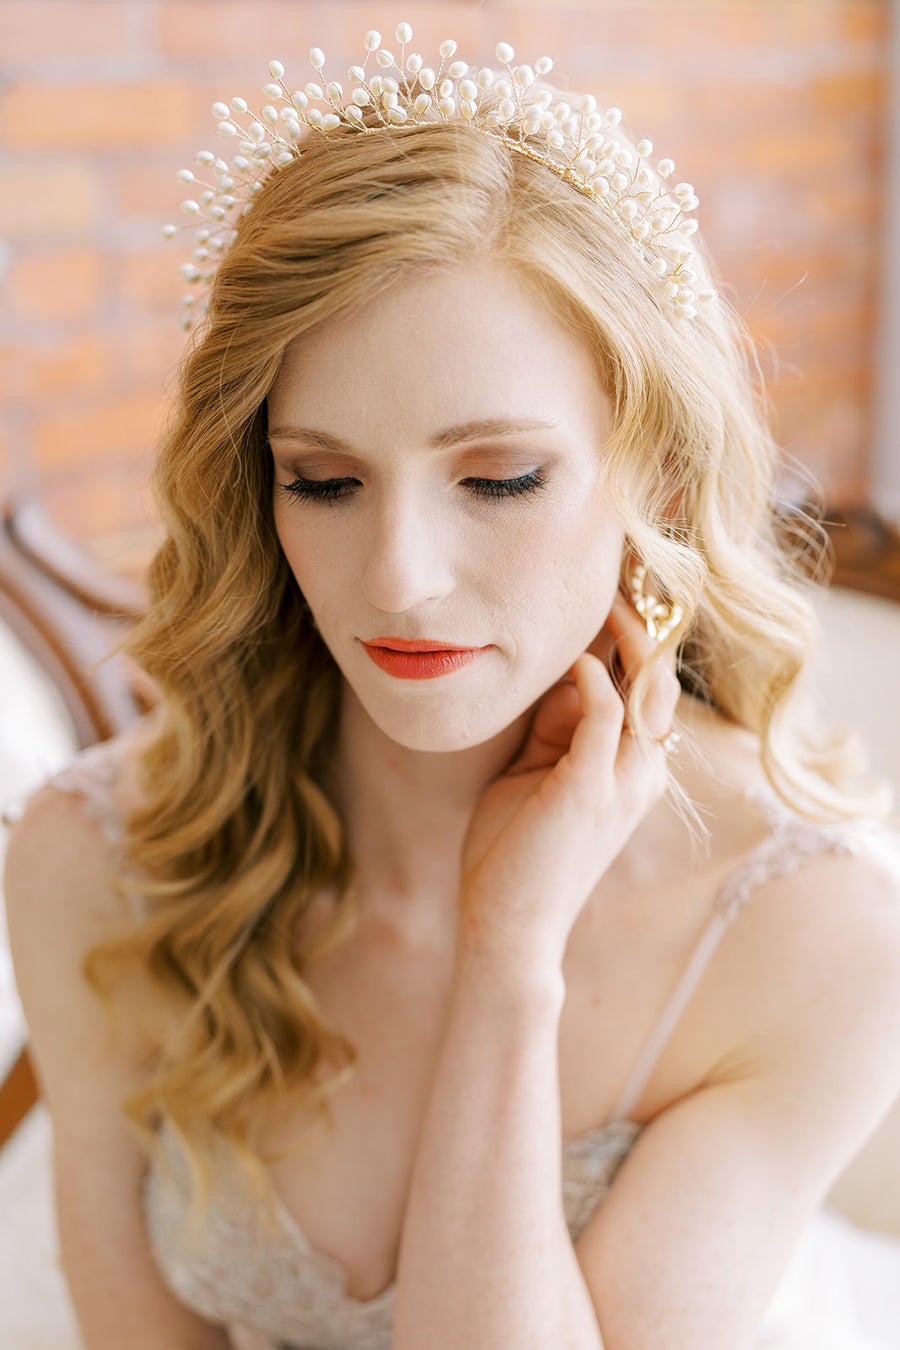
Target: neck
[{"x": 406, "y": 811}]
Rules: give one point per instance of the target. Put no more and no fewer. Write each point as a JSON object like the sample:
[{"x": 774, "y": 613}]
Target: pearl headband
[{"x": 580, "y": 142}]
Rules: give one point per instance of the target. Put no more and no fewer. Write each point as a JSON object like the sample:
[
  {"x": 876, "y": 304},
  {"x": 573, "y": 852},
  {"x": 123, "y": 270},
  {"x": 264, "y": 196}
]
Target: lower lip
[{"x": 422, "y": 665}]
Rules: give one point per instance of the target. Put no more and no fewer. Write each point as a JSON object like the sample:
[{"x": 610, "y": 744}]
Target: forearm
[{"x": 485, "y": 1258}]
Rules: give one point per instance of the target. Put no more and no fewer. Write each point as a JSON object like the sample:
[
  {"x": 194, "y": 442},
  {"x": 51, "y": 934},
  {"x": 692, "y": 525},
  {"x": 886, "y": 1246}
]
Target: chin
[{"x": 438, "y": 727}]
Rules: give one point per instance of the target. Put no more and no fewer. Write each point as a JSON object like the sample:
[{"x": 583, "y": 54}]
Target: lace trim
[{"x": 235, "y": 1269}]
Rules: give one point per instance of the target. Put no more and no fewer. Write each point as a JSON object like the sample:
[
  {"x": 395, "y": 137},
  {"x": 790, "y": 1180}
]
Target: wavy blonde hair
[{"x": 235, "y": 837}]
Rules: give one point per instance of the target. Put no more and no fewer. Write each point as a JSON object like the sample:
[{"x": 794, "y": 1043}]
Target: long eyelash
[
  {"x": 326, "y": 490},
  {"x": 335, "y": 489},
  {"x": 507, "y": 487}
]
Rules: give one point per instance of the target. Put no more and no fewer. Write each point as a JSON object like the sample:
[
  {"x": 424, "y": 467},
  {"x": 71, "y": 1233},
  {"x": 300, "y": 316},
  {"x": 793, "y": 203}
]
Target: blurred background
[{"x": 778, "y": 111}]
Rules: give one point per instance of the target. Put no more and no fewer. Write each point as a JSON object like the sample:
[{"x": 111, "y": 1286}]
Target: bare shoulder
[
  {"x": 809, "y": 985},
  {"x": 62, "y": 899}
]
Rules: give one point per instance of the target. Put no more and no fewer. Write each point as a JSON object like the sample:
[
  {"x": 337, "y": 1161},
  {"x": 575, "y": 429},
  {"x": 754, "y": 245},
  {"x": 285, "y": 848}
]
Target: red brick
[
  {"x": 151, "y": 190},
  {"x": 866, "y": 21},
  {"x": 53, "y": 29},
  {"x": 80, "y": 365},
  {"x": 59, "y": 285},
  {"x": 94, "y": 116},
  {"x": 195, "y": 28},
  {"x": 148, "y": 279},
  {"x": 16, "y": 373},
  {"x": 123, "y": 425},
  {"x": 852, "y": 92},
  {"x": 47, "y": 199},
  {"x": 150, "y": 351}
]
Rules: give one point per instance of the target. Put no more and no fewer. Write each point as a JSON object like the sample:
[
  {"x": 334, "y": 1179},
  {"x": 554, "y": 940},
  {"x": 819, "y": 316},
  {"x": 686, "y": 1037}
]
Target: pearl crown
[{"x": 580, "y": 142}]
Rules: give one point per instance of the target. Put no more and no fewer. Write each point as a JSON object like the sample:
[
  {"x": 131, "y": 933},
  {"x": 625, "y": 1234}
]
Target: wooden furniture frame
[{"x": 69, "y": 613}]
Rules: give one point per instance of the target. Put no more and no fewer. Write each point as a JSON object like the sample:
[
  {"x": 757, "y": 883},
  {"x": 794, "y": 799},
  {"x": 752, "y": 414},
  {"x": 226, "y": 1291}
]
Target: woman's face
[{"x": 439, "y": 482}]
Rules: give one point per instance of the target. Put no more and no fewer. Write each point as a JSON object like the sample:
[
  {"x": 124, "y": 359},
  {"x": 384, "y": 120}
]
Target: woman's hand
[{"x": 545, "y": 831}]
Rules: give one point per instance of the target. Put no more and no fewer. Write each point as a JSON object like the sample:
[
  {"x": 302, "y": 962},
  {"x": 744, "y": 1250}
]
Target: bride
[{"x": 494, "y": 956}]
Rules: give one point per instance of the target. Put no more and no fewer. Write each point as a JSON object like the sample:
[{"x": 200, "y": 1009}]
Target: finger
[
  {"x": 596, "y": 738},
  {"x": 551, "y": 730}
]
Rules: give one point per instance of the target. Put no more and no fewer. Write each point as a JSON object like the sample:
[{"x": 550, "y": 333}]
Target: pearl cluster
[
  {"x": 580, "y": 141},
  {"x": 660, "y": 619}
]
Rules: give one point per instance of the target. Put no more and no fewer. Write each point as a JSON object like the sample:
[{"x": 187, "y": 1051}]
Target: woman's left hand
[{"x": 546, "y": 830}]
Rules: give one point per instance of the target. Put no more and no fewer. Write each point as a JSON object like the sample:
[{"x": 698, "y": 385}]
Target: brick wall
[{"x": 773, "y": 108}]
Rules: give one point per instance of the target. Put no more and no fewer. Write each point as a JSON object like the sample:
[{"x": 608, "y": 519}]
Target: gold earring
[{"x": 659, "y": 619}]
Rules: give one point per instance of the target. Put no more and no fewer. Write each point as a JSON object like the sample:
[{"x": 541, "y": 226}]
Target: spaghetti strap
[{"x": 789, "y": 841}]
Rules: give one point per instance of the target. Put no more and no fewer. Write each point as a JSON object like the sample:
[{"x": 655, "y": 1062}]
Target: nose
[{"x": 408, "y": 560}]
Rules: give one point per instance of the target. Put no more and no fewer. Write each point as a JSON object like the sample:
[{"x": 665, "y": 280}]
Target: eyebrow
[{"x": 443, "y": 440}]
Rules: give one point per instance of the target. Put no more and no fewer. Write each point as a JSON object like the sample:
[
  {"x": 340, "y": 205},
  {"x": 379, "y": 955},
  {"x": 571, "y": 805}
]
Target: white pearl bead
[
  {"x": 403, "y": 32},
  {"x": 447, "y": 49},
  {"x": 422, "y": 104},
  {"x": 447, "y": 106},
  {"x": 314, "y": 90},
  {"x": 220, "y": 110},
  {"x": 543, "y": 65},
  {"x": 226, "y": 129},
  {"x": 270, "y": 91},
  {"x": 397, "y": 115},
  {"x": 316, "y": 57},
  {"x": 468, "y": 89},
  {"x": 613, "y": 117},
  {"x": 330, "y": 121},
  {"x": 239, "y": 105},
  {"x": 372, "y": 40},
  {"x": 353, "y": 112},
  {"x": 205, "y": 157},
  {"x": 335, "y": 91},
  {"x": 485, "y": 77},
  {"x": 276, "y": 70},
  {"x": 414, "y": 63},
  {"x": 384, "y": 58},
  {"x": 356, "y": 73},
  {"x": 360, "y": 97},
  {"x": 644, "y": 148},
  {"x": 184, "y": 176},
  {"x": 168, "y": 231},
  {"x": 504, "y": 52},
  {"x": 270, "y": 114}
]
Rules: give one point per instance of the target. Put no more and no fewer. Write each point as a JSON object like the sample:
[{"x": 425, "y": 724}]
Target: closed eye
[{"x": 331, "y": 490}]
